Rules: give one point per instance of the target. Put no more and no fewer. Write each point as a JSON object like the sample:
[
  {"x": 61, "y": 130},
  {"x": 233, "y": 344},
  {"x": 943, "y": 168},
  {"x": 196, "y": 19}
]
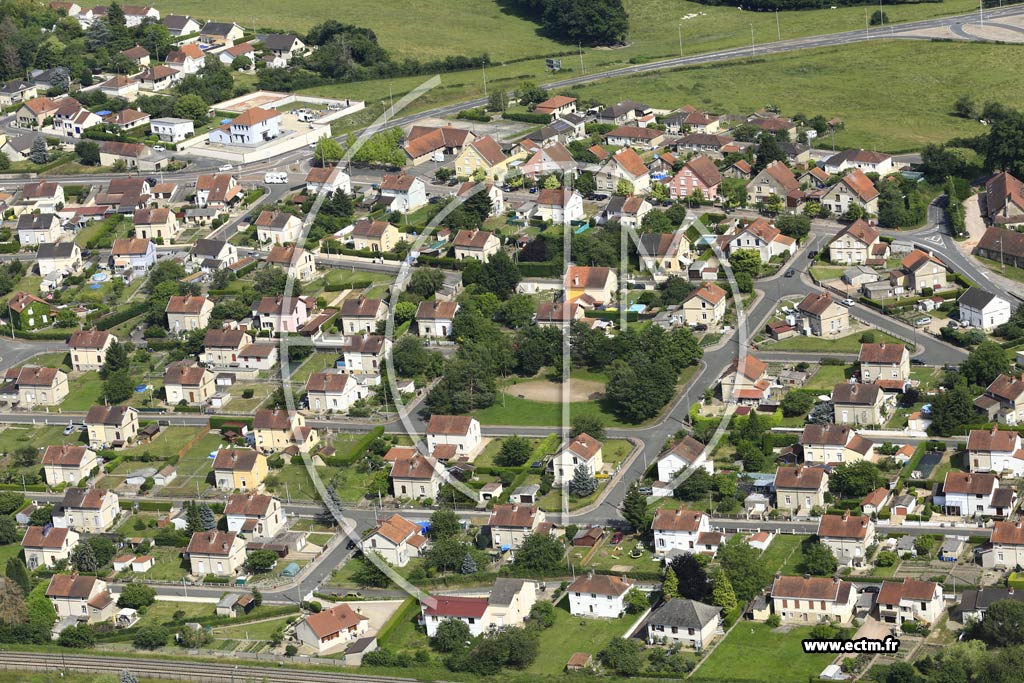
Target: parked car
[
  {"x": 69, "y": 429},
  {"x": 789, "y": 273},
  {"x": 617, "y": 538},
  {"x": 812, "y": 254},
  {"x": 700, "y": 327},
  {"x": 917, "y": 361},
  {"x": 922, "y": 321},
  {"x": 225, "y": 167},
  {"x": 847, "y": 302},
  {"x": 159, "y": 148}
]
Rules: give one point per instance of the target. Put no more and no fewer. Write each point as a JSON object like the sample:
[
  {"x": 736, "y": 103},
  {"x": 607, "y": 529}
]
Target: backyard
[{"x": 757, "y": 652}]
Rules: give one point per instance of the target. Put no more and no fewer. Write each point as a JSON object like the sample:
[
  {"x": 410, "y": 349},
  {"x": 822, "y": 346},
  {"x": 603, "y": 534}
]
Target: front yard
[{"x": 848, "y": 344}]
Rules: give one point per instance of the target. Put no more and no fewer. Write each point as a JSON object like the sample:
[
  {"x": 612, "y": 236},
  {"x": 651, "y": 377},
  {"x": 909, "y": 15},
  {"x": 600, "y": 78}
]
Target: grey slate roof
[
  {"x": 684, "y": 614},
  {"x": 504, "y": 590},
  {"x": 976, "y": 298}
]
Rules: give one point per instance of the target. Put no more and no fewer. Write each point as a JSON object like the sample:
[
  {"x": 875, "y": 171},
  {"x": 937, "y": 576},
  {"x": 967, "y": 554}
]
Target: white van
[{"x": 275, "y": 178}]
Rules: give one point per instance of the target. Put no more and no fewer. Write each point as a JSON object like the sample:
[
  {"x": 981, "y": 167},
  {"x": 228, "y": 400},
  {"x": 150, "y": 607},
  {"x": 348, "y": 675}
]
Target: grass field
[
  {"x": 828, "y": 376},
  {"x": 1006, "y": 271},
  {"x": 785, "y": 553},
  {"x": 261, "y": 630},
  {"x": 572, "y": 634},
  {"x": 15, "y": 436},
  {"x": 755, "y": 652},
  {"x": 847, "y": 344}
]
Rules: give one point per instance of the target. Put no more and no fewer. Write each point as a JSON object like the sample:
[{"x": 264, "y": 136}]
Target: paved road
[{"x": 16, "y": 351}]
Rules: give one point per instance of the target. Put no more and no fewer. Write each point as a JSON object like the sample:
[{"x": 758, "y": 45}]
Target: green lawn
[
  {"x": 170, "y": 565},
  {"x": 785, "y": 553},
  {"x": 86, "y": 392},
  {"x": 828, "y": 376},
  {"x": 56, "y": 359},
  {"x": 261, "y": 630},
  {"x": 162, "y": 611},
  {"x": 193, "y": 466},
  {"x": 1006, "y": 271},
  {"x": 847, "y": 344},
  {"x": 571, "y": 634},
  {"x": 315, "y": 363},
  {"x": 16, "y": 436},
  {"x": 755, "y": 652}
]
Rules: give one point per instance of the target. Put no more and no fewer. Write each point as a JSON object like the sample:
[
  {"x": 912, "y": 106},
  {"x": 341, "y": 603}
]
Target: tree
[
  {"x": 590, "y": 22},
  {"x": 797, "y": 226},
  {"x": 88, "y": 152},
  {"x": 500, "y": 275},
  {"x": 1002, "y": 625},
  {"x": 260, "y": 561},
  {"x": 722, "y": 594},
  {"x": 496, "y": 101},
  {"x": 670, "y": 586},
  {"x": 901, "y": 672},
  {"x": 622, "y": 655},
  {"x": 79, "y": 636},
  {"x": 587, "y": 424},
  {"x": 537, "y": 555},
  {"x": 118, "y": 387},
  {"x": 746, "y": 261},
  {"x": 207, "y": 518},
  {"x": 515, "y": 452},
  {"x": 366, "y": 573},
  {"x": 468, "y": 565},
  {"x": 518, "y": 311},
  {"x": 11, "y": 501},
  {"x": 691, "y": 577},
  {"x": 425, "y": 282},
  {"x": 444, "y": 524},
  {"x": 1006, "y": 144},
  {"x": 879, "y": 18},
  {"x": 819, "y": 560},
  {"x": 102, "y": 548},
  {"x": 257, "y": 597},
  {"x": 583, "y": 482},
  {"x": 39, "y": 154},
  {"x": 634, "y": 508},
  {"x": 328, "y": 151},
  {"x": 17, "y": 572},
  {"x": 856, "y": 479},
  {"x": 985, "y": 363},
  {"x": 452, "y": 634},
  {"x": 191, "y": 107},
  {"x": 952, "y": 409},
  {"x": 150, "y": 637},
  {"x": 5, "y": 161},
  {"x": 636, "y": 602},
  {"x": 193, "y": 517},
  {"x": 42, "y": 516},
  {"x": 796, "y": 402},
  {"x": 8, "y": 531},
  {"x": 411, "y": 358},
  {"x": 446, "y": 554},
  {"x": 543, "y": 614},
  {"x": 695, "y": 486},
  {"x": 768, "y": 150},
  {"x": 747, "y": 571},
  {"x": 624, "y": 188},
  {"x": 586, "y": 184},
  {"x": 136, "y": 596},
  {"x": 83, "y": 559}
]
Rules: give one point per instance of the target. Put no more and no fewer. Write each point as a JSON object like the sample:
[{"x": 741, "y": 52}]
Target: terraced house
[
  {"x": 1003, "y": 400},
  {"x": 834, "y": 444},
  {"x": 239, "y": 469},
  {"x": 66, "y": 464},
  {"x": 360, "y": 314},
  {"x": 88, "y": 510}
]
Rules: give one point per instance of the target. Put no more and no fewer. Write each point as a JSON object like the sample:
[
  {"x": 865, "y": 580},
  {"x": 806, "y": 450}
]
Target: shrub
[{"x": 774, "y": 621}]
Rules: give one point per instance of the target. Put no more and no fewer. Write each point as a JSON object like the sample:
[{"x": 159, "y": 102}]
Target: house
[
  {"x": 800, "y": 489},
  {"x": 126, "y": 194},
  {"x": 760, "y": 236},
  {"x": 1003, "y": 400},
  {"x": 283, "y": 45},
  {"x": 45, "y": 546},
  {"x": 361, "y": 314},
  {"x": 862, "y": 160},
  {"x": 698, "y": 175},
  {"x": 297, "y": 262},
  {"x": 254, "y": 514},
  {"x": 1008, "y": 544},
  {"x": 276, "y": 430},
  {"x": 598, "y": 595},
  {"x": 254, "y": 126},
  {"x": 910, "y": 600},
  {"x": 560, "y": 206},
  {"x": 84, "y": 598},
  {"x": 815, "y": 178},
  {"x": 556, "y": 314},
  {"x": 395, "y": 539},
  {"x": 132, "y": 257},
  {"x": 858, "y": 243},
  {"x": 42, "y": 196},
  {"x": 623, "y": 167},
  {"x": 434, "y": 318},
  {"x": 556, "y": 106},
  {"x": 87, "y": 509},
  {"x": 834, "y": 443},
  {"x": 374, "y": 236},
  {"x": 975, "y": 494},
  {"x": 484, "y": 156},
  {"x": 683, "y": 622},
  {"x": 240, "y": 469},
  {"x": 460, "y": 432},
  {"x": 186, "y": 313},
  {"x": 39, "y": 386},
  {"x": 29, "y": 312},
  {"x": 280, "y": 315},
  {"x": 812, "y": 600},
  {"x": 129, "y": 153},
  {"x": 685, "y": 454},
  {"x": 189, "y": 383},
  {"x": 220, "y": 33},
  {"x": 1004, "y": 200},
  {"x": 553, "y": 158},
  {"x": 740, "y": 168},
  {"x": 364, "y": 354},
  {"x": 507, "y": 603},
  {"x": 426, "y": 143},
  {"x": 692, "y": 121},
  {"x": 853, "y": 189},
  {"x": 585, "y": 538},
  {"x": 774, "y": 179},
  {"x": 781, "y": 127},
  {"x": 622, "y": 112},
  {"x": 328, "y": 179},
  {"x": 402, "y": 193},
  {"x": 664, "y": 254},
  {"x": 582, "y": 450},
  {"x": 994, "y": 450},
  {"x": 258, "y": 356},
  {"x": 127, "y": 88},
  {"x": 88, "y": 349},
  {"x": 333, "y": 391},
  {"x": 512, "y": 523},
  {"x": 156, "y": 224},
  {"x": 873, "y": 503},
  {"x": 158, "y": 78},
  {"x": 705, "y": 305},
  {"x": 38, "y": 228},
  {"x": 633, "y": 136},
  {"x": 221, "y": 553},
  {"x": 33, "y": 112},
  {"x": 680, "y": 529},
  {"x": 859, "y": 404},
  {"x": 58, "y": 257},
  {"x": 599, "y": 283},
  {"x": 222, "y": 347},
  {"x": 746, "y": 381},
  {"x": 18, "y": 148},
  {"x": 417, "y": 477},
  {"x": 111, "y": 425},
  {"x": 847, "y": 536},
  {"x": 475, "y": 244},
  {"x": 179, "y": 26},
  {"x": 704, "y": 143},
  {"x": 821, "y": 316},
  {"x": 982, "y": 309},
  {"x": 68, "y": 464},
  {"x": 331, "y": 629},
  {"x": 71, "y": 118},
  {"x": 975, "y": 603},
  {"x": 887, "y": 364},
  {"x": 170, "y": 129},
  {"x": 17, "y": 91},
  {"x": 629, "y": 211},
  {"x": 919, "y": 271}
]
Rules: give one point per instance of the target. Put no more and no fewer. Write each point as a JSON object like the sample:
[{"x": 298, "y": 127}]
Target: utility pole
[
  {"x": 751, "y": 40},
  {"x": 583, "y": 67},
  {"x": 680, "y": 27},
  {"x": 483, "y": 65},
  {"x": 981, "y": 12},
  {"x": 778, "y": 26}
]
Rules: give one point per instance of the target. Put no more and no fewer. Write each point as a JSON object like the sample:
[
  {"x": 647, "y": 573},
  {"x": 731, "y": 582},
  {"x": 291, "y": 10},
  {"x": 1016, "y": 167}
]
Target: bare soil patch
[{"x": 551, "y": 392}]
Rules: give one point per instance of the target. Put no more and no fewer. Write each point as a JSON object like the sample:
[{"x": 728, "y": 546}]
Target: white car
[
  {"x": 848, "y": 302},
  {"x": 158, "y": 148},
  {"x": 225, "y": 167},
  {"x": 922, "y": 321}
]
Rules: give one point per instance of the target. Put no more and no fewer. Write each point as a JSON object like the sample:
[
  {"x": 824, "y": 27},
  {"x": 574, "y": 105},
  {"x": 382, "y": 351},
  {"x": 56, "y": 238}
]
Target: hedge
[
  {"x": 445, "y": 262},
  {"x": 123, "y": 314},
  {"x": 401, "y": 616},
  {"x": 357, "y": 449},
  {"x": 340, "y": 286},
  {"x": 526, "y": 117},
  {"x": 247, "y": 268},
  {"x": 540, "y": 269},
  {"x": 631, "y": 316},
  {"x": 474, "y": 115},
  {"x": 217, "y": 422},
  {"x": 40, "y": 335},
  {"x": 366, "y": 253}
]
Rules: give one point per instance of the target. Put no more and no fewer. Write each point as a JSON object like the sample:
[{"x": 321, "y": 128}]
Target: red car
[{"x": 617, "y": 538}]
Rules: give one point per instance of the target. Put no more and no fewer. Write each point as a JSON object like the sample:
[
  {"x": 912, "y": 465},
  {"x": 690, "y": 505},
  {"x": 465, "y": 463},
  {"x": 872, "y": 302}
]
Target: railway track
[{"x": 177, "y": 670}]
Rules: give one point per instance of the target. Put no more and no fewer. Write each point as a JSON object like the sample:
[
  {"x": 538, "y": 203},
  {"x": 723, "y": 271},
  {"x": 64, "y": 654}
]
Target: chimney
[{"x": 846, "y": 515}]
